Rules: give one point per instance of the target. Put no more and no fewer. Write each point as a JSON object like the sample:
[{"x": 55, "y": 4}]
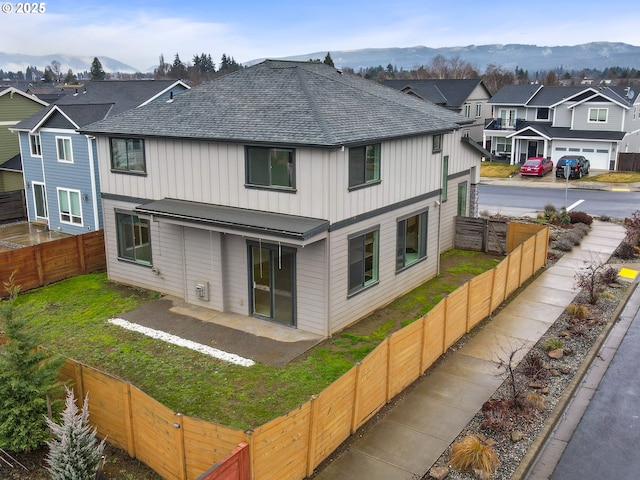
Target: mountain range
[{"x": 595, "y": 55}]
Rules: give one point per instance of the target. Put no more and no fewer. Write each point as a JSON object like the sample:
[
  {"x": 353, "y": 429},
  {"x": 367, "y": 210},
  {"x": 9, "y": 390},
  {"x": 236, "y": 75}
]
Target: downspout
[
  {"x": 94, "y": 189},
  {"x": 439, "y": 205}
]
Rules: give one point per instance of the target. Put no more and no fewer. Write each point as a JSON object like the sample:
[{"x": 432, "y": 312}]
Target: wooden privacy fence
[
  {"x": 491, "y": 235},
  {"x": 293, "y": 445},
  {"x": 13, "y": 207},
  {"x": 628, "y": 162},
  {"x": 49, "y": 262}
]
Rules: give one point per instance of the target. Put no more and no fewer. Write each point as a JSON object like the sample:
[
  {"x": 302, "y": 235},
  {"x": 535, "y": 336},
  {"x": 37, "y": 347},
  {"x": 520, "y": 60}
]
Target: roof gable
[
  {"x": 281, "y": 102},
  {"x": 450, "y": 92}
]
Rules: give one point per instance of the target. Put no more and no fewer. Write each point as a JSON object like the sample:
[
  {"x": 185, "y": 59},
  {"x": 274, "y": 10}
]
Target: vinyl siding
[
  {"x": 614, "y": 117},
  {"x": 562, "y": 116},
  {"x": 311, "y": 294},
  {"x": 203, "y": 262},
  {"x": 214, "y": 173},
  {"x": 166, "y": 254},
  {"x": 236, "y": 281}
]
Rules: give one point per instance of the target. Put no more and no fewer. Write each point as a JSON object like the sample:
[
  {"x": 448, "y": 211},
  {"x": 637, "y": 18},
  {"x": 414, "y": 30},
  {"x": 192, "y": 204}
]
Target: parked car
[
  {"x": 538, "y": 166},
  {"x": 578, "y": 166}
]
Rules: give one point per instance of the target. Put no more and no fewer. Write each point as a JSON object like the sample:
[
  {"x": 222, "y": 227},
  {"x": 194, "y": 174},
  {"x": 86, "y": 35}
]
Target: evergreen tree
[
  {"x": 97, "y": 73},
  {"x": 70, "y": 78},
  {"x": 328, "y": 60},
  {"x": 28, "y": 377},
  {"x": 178, "y": 69},
  {"x": 74, "y": 451}
]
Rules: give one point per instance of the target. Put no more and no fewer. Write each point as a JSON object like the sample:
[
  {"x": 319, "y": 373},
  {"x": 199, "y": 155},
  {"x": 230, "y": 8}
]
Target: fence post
[
  {"x": 80, "y": 247},
  {"x": 356, "y": 398},
  {"x": 79, "y": 380},
  {"x": 387, "y": 395},
  {"x": 252, "y": 453},
  {"x": 39, "y": 269},
  {"x": 128, "y": 419},
  {"x": 312, "y": 434},
  {"x": 179, "y": 441}
]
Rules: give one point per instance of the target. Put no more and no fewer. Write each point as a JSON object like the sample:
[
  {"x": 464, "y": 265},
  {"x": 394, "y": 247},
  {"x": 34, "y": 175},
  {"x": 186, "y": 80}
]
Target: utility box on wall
[{"x": 202, "y": 290}]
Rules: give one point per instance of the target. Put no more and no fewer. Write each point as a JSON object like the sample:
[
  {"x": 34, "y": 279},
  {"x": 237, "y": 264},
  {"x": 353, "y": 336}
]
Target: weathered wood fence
[
  {"x": 292, "y": 446},
  {"x": 49, "y": 262},
  {"x": 628, "y": 162},
  {"x": 491, "y": 235},
  {"x": 13, "y": 207}
]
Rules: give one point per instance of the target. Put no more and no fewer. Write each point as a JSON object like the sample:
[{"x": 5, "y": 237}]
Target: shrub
[
  {"x": 473, "y": 453},
  {"x": 605, "y": 218},
  {"x": 564, "y": 217},
  {"x": 574, "y": 237},
  {"x": 579, "y": 312},
  {"x": 592, "y": 279},
  {"x": 581, "y": 217},
  {"x": 496, "y": 421},
  {"x": 553, "y": 344},
  {"x": 633, "y": 228},
  {"x": 535, "y": 401},
  {"x": 609, "y": 274},
  {"x": 582, "y": 228},
  {"x": 74, "y": 452},
  {"x": 625, "y": 251},
  {"x": 534, "y": 367},
  {"x": 563, "y": 245}
]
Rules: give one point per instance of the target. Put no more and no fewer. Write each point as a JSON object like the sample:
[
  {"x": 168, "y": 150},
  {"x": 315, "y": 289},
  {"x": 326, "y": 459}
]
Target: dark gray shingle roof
[
  {"x": 566, "y": 132},
  {"x": 451, "y": 92},
  {"x": 514, "y": 94},
  {"x": 298, "y": 103}
]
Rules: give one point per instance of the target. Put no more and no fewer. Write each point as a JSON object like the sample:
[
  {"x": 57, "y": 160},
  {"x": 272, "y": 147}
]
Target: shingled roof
[
  {"x": 283, "y": 102},
  {"x": 448, "y": 92}
]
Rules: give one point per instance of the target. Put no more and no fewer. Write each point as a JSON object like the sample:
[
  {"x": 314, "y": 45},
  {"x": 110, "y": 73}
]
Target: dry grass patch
[{"x": 498, "y": 170}]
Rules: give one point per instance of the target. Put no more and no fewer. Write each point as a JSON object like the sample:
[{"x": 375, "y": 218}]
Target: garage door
[{"x": 597, "y": 153}]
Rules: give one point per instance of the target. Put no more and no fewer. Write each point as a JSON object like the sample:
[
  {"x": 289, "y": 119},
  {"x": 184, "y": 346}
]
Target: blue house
[{"x": 60, "y": 165}]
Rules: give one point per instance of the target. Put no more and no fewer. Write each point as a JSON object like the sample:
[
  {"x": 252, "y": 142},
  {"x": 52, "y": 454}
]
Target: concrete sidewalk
[{"x": 410, "y": 438}]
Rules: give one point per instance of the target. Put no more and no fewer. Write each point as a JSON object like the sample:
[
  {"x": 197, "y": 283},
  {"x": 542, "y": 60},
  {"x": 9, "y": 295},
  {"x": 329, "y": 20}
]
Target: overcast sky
[{"x": 137, "y": 32}]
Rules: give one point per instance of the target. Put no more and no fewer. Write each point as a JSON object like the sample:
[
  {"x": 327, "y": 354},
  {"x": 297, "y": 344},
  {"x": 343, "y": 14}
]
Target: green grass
[{"x": 71, "y": 317}]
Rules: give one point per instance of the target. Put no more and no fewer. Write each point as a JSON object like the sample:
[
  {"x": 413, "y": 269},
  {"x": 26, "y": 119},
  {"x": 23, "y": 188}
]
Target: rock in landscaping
[
  {"x": 565, "y": 370},
  {"x": 556, "y": 354},
  {"x": 545, "y": 391},
  {"x": 554, "y": 372},
  {"x": 439, "y": 473},
  {"x": 516, "y": 436},
  {"x": 535, "y": 385},
  {"x": 568, "y": 351},
  {"x": 479, "y": 474}
]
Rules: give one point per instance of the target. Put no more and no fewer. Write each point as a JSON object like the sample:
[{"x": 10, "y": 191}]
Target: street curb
[{"x": 538, "y": 445}]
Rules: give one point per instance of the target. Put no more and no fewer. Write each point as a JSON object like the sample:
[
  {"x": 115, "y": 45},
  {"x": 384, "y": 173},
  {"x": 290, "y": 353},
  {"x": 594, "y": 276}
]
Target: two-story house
[
  {"x": 286, "y": 191},
  {"x": 60, "y": 165},
  {"x": 536, "y": 121},
  {"x": 15, "y": 106},
  {"x": 468, "y": 97}
]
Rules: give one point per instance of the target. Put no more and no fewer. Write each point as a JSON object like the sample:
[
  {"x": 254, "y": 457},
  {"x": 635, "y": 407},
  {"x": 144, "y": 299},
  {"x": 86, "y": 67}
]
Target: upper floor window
[
  {"x": 478, "y": 110},
  {"x": 364, "y": 165},
  {"x": 35, "y": 145},
  {"x": 363, "y": 260},
  {"x": 542, "y": 113},
  {"x": 411, "y": 241},
  {"x": 467, "y": 110},
  {"x": 134, "y": 241},
  {"x": 445, "y": 178},
  {"x": 508, "y": 117},
  {"x": 270, "y": 167},
  {"x": 437, "y": 143},
  {"x": 598, "y": 114},
  {"x": 65, "y": 152},
  {"x": 127, "y": 155},
  {"x": 69, "y": 206}
]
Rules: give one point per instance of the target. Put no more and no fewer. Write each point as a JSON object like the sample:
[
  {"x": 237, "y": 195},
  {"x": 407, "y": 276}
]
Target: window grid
[
  {"x": 35, "y": 145},
  {"x": 63, "y": 147},
  {"x": 598, "y": 115},
  {"x": 69, "y": 206},
  {"x": 134, "y": 241}
]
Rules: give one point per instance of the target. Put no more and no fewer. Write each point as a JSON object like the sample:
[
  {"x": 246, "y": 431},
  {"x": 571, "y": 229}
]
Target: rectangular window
[
  {"x": 364, "y": 165},
  {"x": 561, "y": 149},
  {"x": 437, "y": 143},
  {"x": 503, "y": 144},
  {"x": 69, "y": 206},
  {"x": 542, "y": 113},
  {"x": 462, "y": 199},
  {"x": 127, "y": 155},
  {"x": 36, "y": 146},
  {"x": 134, "y": 242},
  {"x": 478, "y": 110},
  {"x": 363, "y": 260},
  {"x": 411, "y": 241},
  {"x": 270, "y": 167},
  {"x": 598, "y": 115},
  {"x": 588, "y": 150},
  {"x": 467, "y": 110},
  {"x": 63, "y": 146},
  {"x": 508, "y": 117},
  {"x": 445, "y": 178}
]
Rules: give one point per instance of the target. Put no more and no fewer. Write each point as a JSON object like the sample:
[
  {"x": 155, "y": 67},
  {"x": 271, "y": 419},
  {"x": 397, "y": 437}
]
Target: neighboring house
[
  {"x": 15, "y": 106},
  {"x": 60, "y": 165},
  {"x": 537, "y": 121},
  {"x": 468, "y": 97},
  {"x": 287, "y": 191}
]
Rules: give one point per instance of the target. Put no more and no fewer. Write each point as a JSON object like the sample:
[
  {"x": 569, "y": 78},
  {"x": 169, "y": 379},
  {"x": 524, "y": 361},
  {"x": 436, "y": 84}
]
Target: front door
[
  {"x": 532, "y": 149},
  {"x": 272, "y": 282}
]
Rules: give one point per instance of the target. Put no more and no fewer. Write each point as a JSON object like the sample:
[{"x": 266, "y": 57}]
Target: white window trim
[
  {"x": 69, "y": 191},
  {"x": 467, "y": 110},
  {"x": 478, "y": 110},
  {"x": 35, "y": 207},
  {"x": 39, "y": 141},
  {"x": 64, "y": 160},
  {"x": 606, "y": 117}
]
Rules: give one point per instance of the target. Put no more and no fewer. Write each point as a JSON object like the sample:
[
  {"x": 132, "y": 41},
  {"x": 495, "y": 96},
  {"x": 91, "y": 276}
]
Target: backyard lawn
[{"x": 71, "y": 318}]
